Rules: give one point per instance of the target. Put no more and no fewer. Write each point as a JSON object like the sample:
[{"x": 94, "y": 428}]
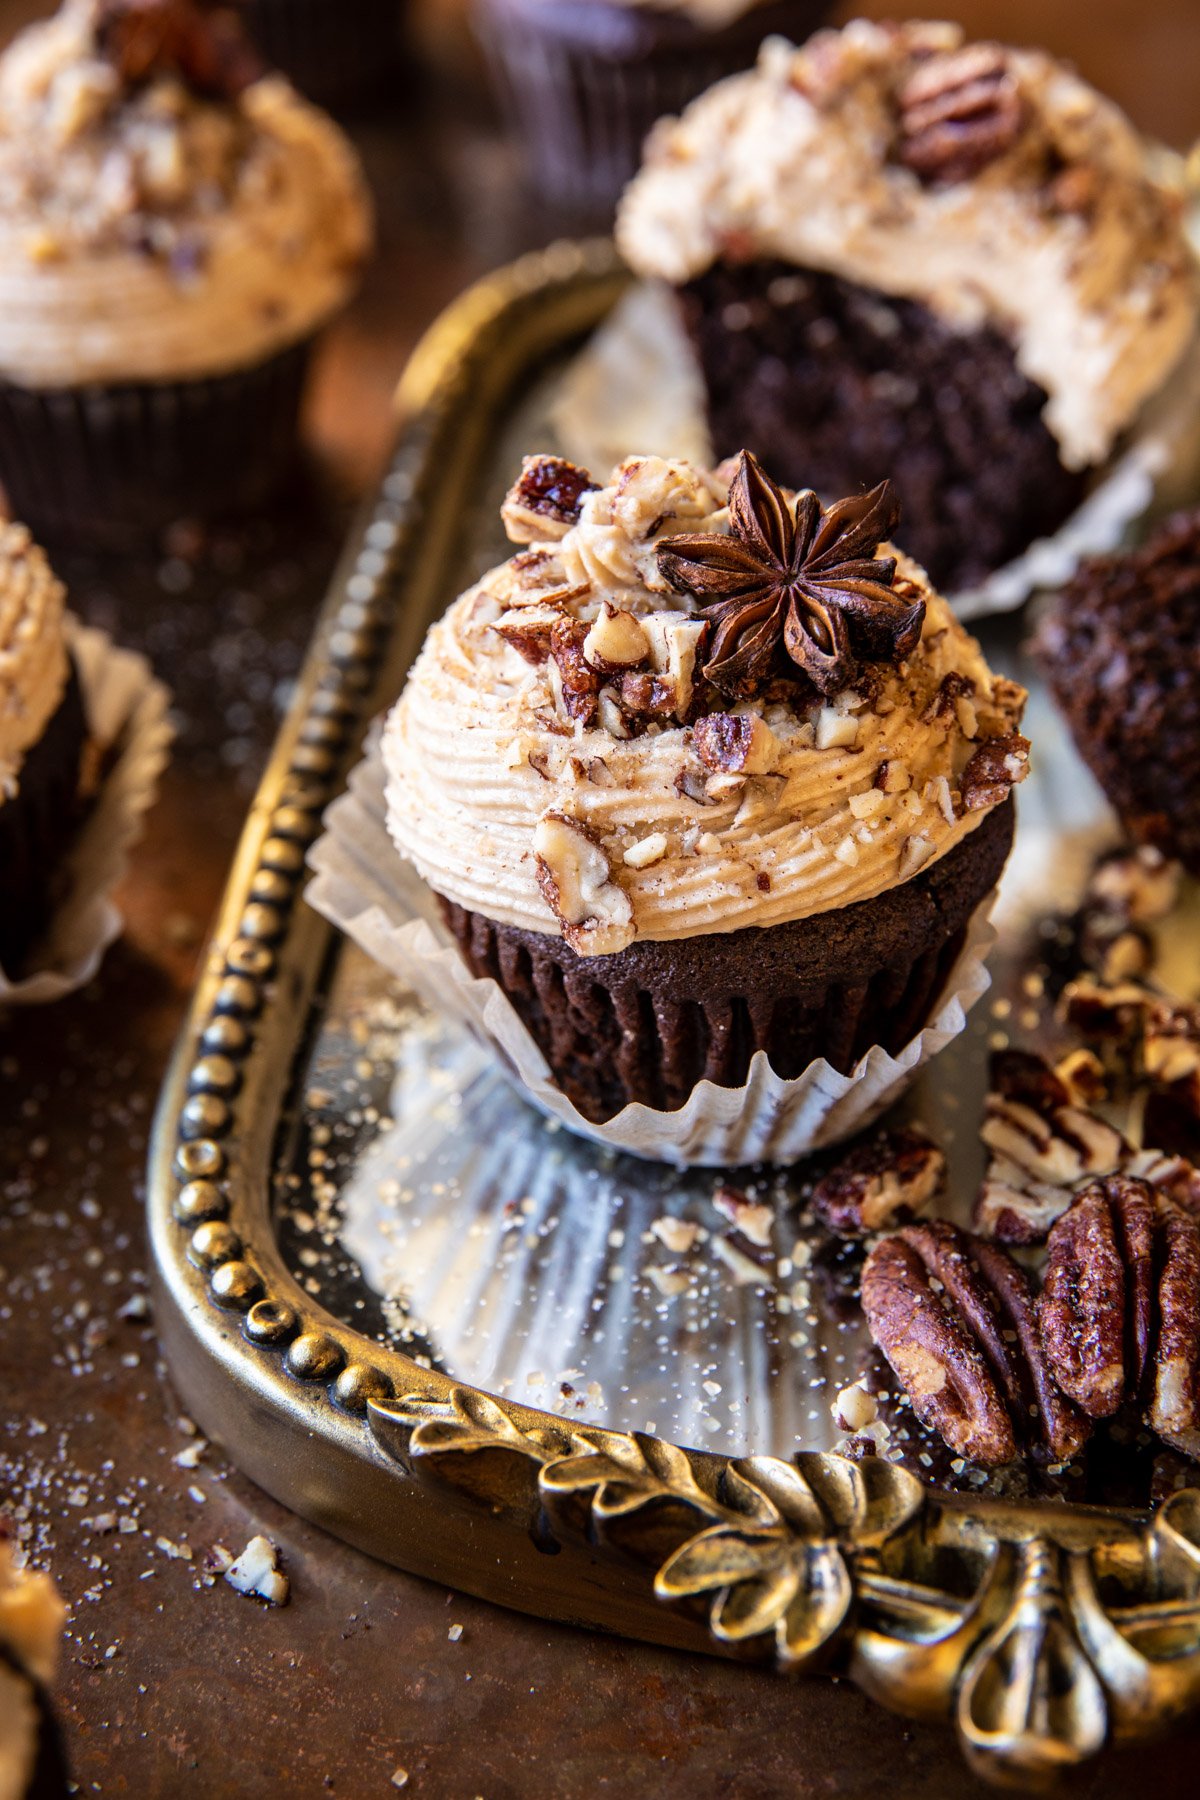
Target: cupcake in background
[
  {"x": 1120, "y": 648},
  {"x": 32, "y": 1619},
  {"x": 43, "y": 744},
  {"x": 338, "y": 54},
  {"x": 175, "y": 230},
  {"x": 583, "y": 81},
  {"x": 705, "y": 769},
  {"x": 900, "y": 254}
]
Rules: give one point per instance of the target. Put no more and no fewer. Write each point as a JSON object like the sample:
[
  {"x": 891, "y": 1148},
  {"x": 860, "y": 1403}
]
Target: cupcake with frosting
[
  {"x": 897, "y": 253},
  {"x": 43, "y": 743},
  {"x": 582, "y": 81},
  {"x": 704, "y": 770},
  {"x": 175, "y": 230}
]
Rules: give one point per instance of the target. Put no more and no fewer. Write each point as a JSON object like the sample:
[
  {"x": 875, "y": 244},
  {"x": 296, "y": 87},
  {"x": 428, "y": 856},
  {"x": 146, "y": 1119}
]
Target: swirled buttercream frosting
[
  {"x": 33, "y": 653},
  {"x": 990, "y": 184},
  {"x": 691, "y": 702},
  {"x": 152, "y": 229}
]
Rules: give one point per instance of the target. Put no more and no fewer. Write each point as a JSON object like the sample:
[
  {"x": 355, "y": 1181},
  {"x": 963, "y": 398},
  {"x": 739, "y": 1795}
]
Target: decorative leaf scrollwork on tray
[{"x": 1043, "y": 1632}]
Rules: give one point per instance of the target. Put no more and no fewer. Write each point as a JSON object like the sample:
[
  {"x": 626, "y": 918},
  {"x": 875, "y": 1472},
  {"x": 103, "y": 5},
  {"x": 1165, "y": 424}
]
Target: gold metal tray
[{"x": 1040, "y": 1629}]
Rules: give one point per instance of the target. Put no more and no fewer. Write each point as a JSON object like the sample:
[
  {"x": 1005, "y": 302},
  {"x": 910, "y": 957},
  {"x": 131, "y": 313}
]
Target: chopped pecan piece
[
  {"x": 1139, "y": 886},
  {"x": 959, "y": 111},
  {"x": 735, "y": 744},
  {"x": 995, "y": 769},
  {"x": 577, "y": 685},
  {"x": 888, "y": 1180},
  {"x": 1171, "y": 1051},
  {"x": 1119, "y": 1314},
  {"x": 1030, "y": 1121},
  {"x": 956, "y": 1319},
  {"x": 615, "y": 641},
  {"x": 203, "y": 43},
  {"x": 575, "y": 878},
  {"x": 545, "y": 500}
]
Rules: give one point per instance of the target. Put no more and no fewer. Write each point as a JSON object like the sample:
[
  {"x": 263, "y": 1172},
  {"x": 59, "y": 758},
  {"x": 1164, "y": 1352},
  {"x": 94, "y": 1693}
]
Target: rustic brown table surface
[{"x": 171, "y": 1684}]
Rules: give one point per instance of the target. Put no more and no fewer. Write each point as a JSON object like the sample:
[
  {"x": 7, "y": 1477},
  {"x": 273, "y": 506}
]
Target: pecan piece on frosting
[
  {"x": 994, "y": 770},
  {"x": 615, "y": 641},
  {"x": 888, "y": 1180},
  {"x": 1119, "y": 1314},
  {"x": 959, "y": 111},
  {"x": 573, "y": 872},
  {"x": 204, "y": 43},
  {"x": 545, "y": 500},
  {"x": 735, "y": 744},
  {"x": 574, "y": 683},
  {"x": 956, "y": 1319}
]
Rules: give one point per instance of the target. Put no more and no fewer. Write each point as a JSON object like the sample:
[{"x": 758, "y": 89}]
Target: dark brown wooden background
[{"x": 169, "y": 1687}]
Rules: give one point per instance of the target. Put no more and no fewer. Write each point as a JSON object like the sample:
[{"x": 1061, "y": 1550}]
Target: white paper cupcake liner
[
  {"x": 126, "y": 709},
  {"x": 635, "y": 389},
  {"x": 365, "y": 888}
]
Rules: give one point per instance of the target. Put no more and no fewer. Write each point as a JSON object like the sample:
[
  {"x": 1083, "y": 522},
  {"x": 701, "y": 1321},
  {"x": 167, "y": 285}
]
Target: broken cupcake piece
[{"x": 696, "y": 775}]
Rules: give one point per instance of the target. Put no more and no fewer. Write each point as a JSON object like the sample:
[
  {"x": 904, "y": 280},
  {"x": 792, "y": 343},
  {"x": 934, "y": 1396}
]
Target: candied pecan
[
  {"x": 1120, "y": 1309},
  {"x": 578, "y": 683},
  {"x": 959, "y": 111},
  {"x": 1094, "y": 1309},
  {"x": 995, "y": 769},
  {"x": 956, "y": 1319},
  {"x": 1029, "y": 1120},
  {"x": 1174, "y": 1410},
  {"x": 954, "y": 692},
  {"x": 887, "y": 1180},
  {"x": 545, "y": 500}
]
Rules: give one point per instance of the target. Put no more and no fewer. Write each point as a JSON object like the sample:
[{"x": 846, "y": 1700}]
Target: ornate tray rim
[{"x": 1042, "y": 1631}]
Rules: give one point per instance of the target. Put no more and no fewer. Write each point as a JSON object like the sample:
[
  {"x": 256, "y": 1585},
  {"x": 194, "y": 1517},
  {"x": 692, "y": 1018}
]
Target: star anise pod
[
  {"x": 202, "y": 42},
  {"x": 800, "y": 575}
]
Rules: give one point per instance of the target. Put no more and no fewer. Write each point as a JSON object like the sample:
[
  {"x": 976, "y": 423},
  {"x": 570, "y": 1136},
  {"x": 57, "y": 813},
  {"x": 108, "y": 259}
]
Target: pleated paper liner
[
  {"x": 126, "y": 710},
  {"x": 366, "y": 889}
]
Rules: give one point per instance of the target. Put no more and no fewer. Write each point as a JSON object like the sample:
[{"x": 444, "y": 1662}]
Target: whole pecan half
[
  {"x": 959, "y": 111},
  {"x": 956, "y": 1319},
  {"x": 1119, "y": 1315}
]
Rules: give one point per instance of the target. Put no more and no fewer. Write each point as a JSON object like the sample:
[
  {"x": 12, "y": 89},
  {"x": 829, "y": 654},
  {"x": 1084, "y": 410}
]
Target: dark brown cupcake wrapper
[
  {"x": 651, "y": 1022},
  {"x": 582, "y": 82},
  {"x": 340, "y": 53},
  {"x": 38, "y": 826},
  {"x": 110, "y": 466}
]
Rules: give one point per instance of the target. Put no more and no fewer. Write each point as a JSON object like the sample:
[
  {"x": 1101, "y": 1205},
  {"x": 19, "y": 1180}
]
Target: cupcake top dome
[
  {"x": 33, "y": 653},
  {"x": 692, "y": 702},
  {"x": 990, "y": 184},
  {"x": 165, "y": 212}
]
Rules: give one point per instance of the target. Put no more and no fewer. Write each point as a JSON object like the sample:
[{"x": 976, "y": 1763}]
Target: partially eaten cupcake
[
  {"x": 705, "y": 770},
  {"x": 900, "y": 254}
]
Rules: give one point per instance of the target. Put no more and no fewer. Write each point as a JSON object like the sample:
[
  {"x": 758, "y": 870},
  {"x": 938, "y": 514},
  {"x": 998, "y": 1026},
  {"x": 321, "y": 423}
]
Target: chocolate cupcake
[
  {"x": 898, "y": 254},
  {"x": 583, "y": 81},
  {"x": 43, "y": 739},
  {"x": 702, "y": 771},
  {"x": 1119, "y": 647},
  {"x": 32, "y": 1617},
  {"x": 340, "y": 56},
  {"x": 175, "y": 232}
]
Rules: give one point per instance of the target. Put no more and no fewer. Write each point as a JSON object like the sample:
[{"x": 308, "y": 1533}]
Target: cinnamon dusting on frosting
[{"x": 548, "y": 792}]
